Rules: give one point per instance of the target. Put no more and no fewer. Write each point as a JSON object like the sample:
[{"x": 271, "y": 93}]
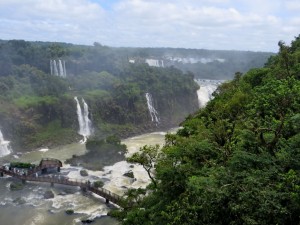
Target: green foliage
[
  {"x": 22, "y": 165},
  {"x": 147, "y": 157},
  {"x": 25, "y": 102},
  {"x": 235, "y": 162},
  {"x": 98, "y": 184},
  {"x": 100, "y": 153},
  {"x": 51, "y": 134}
]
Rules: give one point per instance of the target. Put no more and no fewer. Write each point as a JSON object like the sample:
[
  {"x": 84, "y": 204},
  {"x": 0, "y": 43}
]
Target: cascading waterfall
[
  {"x": 65, "y": 71},
  {"x": 61, "y": 69},
  {"x": 85, "y": 124},
  {"x": 58, "y": 68},
  {"x": 55, "y": 68},
  {"x": 51, "y": 67},
  {"x": 152, "y": 110},
  {"x": 4, "y": 146},
  {"x": 207, "y": 87}
]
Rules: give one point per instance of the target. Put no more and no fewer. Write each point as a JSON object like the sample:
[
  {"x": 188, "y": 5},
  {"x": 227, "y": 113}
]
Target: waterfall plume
[
  {"x": 4, "y": 146},
  {"x": 207, "y": 87},
  {"x": 152, "y": 110},
  {"x": 85, "y": 124},
  {"x": 58, "y": 68}
]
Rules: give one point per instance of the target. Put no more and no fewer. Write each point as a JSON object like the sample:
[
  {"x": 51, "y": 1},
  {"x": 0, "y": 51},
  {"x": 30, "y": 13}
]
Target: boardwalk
[{"x": 87, "y": 186}]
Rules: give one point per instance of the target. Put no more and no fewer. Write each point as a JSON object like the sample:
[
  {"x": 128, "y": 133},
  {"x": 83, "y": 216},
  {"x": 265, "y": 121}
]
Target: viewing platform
[{"x": 31, "y": 174}]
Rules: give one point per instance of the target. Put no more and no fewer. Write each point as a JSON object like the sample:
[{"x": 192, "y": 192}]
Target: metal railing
[{"x": 66, "y": 181}]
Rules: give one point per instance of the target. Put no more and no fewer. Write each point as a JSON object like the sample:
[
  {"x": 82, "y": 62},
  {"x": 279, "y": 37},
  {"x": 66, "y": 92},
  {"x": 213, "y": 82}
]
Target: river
[{"x": 29, "y": 207}]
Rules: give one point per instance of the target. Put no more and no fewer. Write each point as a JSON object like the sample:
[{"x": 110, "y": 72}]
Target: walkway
[{"x": 86, "y": 186}]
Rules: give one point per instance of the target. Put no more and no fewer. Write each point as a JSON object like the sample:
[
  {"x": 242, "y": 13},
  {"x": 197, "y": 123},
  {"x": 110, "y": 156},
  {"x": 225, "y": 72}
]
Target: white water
[
  {"x": 61, "y": 70},
  {"x": 207, "y": 87},
  {"x": 40, "y": 211},
  {"x": 191, "y": 60},
  {"x": 85, "y": 124},
  {"x": 65, "y": 71},
  {"x": 58, "y": 68},
  {"x": 155, "y": 62},
  {"x": 152, "y": 110},
  {"x": 4, "y": 146}
]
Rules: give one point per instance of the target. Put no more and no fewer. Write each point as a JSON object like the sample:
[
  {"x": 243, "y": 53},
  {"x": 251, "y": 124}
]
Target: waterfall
[
  {"x": 85, "y": 124},
  {"x": 207, "y": 87},
  {"x": 58, "y": 68},
  {"x": 55, "y": 68},
  {"x": 61, "y": 69},
  {"x": 152, "y": 110},
  {"x": 4, "y": 146},
  {"x": 65, "y": 71},
  {"x": 51, "y": 67}
]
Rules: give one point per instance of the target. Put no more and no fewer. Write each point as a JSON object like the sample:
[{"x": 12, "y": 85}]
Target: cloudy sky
[{"x": 255, "y": 25}]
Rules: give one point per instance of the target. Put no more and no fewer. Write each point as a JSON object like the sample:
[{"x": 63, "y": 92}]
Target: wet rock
[
  {"x": 69, "y": 211},
  {"x": 67, "y": 191},
  {"x": 16, "y": 186},
  {"x": 131, "y": 166},
  {"x": 129, "y": 174},
  {"x": 48, "y": 194},
  {"x": 19, "y": 201},
  {"x": 87, "y": 221},
  {"x": 83, "y": 173}
]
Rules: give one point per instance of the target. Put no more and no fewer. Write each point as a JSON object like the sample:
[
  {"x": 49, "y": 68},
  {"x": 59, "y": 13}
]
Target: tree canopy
[{"x": 237, "y": 161}]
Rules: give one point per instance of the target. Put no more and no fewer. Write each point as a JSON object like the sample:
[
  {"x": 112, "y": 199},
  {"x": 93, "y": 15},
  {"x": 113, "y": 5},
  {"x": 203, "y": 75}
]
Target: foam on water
[
  {"x": 35, "y": 220},
  {"x": 44, "y": 150}
]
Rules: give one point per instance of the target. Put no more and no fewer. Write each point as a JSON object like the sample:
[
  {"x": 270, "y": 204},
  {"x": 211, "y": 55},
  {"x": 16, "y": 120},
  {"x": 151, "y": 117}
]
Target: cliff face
[
  {"x": 48, "y": 125},
  {"x": 45, "y": 115},
  {"x": 38, "y": 83}
]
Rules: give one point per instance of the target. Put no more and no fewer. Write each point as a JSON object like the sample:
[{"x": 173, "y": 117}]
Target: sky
[{"x": 254, "y": 25}]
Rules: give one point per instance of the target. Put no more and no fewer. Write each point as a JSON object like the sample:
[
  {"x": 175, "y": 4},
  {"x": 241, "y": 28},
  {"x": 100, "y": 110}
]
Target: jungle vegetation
[{"x": 235, "y": 162}]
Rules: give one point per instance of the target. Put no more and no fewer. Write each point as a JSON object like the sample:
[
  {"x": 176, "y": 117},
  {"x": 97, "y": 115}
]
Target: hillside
[
  {"x": 237, "y": 161},
  {"x": 39, "y": 80}
]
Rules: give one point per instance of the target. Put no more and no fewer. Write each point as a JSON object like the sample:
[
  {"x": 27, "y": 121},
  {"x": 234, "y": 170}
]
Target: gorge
[{"x": 116, "y": 99}]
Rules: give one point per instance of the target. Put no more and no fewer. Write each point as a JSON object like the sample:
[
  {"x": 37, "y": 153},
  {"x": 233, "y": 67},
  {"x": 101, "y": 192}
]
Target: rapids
[{"x": 29, "y": 207}]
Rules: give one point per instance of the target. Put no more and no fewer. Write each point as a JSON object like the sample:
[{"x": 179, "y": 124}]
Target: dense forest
[
  {"x": 37, "y": 103},
  {"x": 39, "y": 80},
  {"x": 237, "y": 161}
]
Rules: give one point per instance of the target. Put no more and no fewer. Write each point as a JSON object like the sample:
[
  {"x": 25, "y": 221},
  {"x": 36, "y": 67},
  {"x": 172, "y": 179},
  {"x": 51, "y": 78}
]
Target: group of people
[{"x": 21, "y": 172}]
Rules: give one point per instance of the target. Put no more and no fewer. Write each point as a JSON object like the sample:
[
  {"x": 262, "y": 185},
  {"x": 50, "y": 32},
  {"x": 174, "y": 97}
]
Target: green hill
[{"x": 237, "y": 161}]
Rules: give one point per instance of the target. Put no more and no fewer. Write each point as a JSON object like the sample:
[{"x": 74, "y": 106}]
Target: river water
[{"x": 29, "y": 207}]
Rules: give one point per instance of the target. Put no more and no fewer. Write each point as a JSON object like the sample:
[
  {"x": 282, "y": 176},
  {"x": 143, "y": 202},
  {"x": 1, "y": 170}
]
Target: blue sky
[{"x": 255, "y": 25}]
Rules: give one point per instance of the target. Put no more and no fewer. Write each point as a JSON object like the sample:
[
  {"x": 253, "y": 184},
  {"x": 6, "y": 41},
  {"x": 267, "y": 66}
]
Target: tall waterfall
[
  {"x": 152, "y": 110},
  {"x": 58, "y": 68},
  {"x": 207, "y": 87},
  {"x": 85, "y": 124},
  {"x": 4, "y": 146}
]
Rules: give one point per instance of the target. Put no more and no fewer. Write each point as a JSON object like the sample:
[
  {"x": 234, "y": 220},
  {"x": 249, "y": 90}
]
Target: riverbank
[{"x": 52, "y": 211}]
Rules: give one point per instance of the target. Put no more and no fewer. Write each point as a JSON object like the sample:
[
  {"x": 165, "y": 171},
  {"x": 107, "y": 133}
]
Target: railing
[{"x": 66, "y": 181}]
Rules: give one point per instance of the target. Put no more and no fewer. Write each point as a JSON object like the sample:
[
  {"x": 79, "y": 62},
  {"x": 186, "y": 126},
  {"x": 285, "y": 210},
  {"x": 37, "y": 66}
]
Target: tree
[{"x": 147, "y": 157}]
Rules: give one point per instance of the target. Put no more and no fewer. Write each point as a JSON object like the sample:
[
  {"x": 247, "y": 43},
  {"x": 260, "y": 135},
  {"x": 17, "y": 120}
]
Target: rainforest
[
  {"x": 236, "y": 161},
  {"x": 40, "y": 82}
]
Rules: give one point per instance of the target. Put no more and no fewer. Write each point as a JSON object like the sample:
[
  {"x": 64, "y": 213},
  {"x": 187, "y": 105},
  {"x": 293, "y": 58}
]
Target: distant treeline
[{"x": 220, "y": 64}]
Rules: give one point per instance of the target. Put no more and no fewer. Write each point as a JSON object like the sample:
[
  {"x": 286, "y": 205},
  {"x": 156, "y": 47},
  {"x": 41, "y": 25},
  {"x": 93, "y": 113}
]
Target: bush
[
  {"x": 22, "y": 165},
  {"x": 98, "y": 184},
  {"x": 83, "y": 173}
]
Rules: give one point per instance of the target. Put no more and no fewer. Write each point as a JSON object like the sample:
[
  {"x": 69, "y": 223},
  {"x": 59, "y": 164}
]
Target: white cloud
[
  {"x": 213, "y": 24},
  {"x": 292, "y": 5}
]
